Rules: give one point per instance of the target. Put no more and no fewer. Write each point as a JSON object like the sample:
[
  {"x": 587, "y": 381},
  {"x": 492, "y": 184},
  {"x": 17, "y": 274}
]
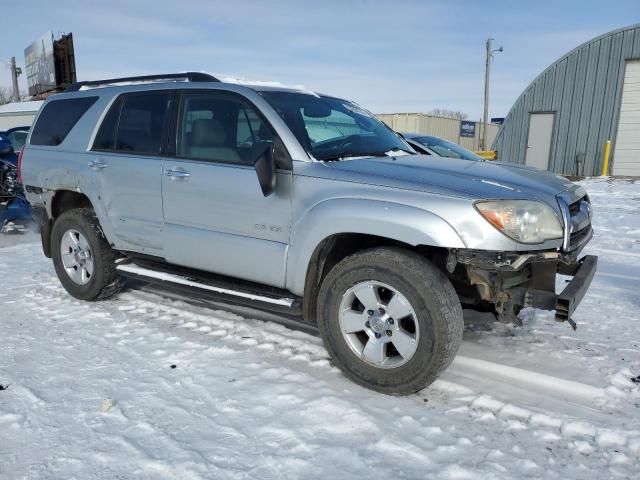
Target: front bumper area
[
  {"x": 512, "y": 280},
  {"x": 568, "y": 300},
  {"x": 573, "y": 293}
]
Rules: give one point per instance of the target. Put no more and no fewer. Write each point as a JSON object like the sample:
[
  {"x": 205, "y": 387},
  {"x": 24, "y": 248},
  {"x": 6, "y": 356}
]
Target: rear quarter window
[{"x": 57, "y": 119}]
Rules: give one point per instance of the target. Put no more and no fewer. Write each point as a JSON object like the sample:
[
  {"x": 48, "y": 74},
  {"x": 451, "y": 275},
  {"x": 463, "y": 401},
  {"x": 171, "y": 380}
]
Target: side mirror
[{"x": 265, "y": 166}]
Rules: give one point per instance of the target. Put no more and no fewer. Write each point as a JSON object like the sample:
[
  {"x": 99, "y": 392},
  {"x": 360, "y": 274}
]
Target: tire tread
[
  {"x": 111, "y": 282},
  {"x": 420, "y": 271}
]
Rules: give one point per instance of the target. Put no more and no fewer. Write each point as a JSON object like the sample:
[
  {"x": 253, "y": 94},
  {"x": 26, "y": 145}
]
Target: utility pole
[
  {"x": 487, "y": 76},
  {"x": 15, "y": 71}
]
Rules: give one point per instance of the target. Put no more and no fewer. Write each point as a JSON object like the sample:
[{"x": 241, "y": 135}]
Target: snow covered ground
[{"x": 92, "y": 391}]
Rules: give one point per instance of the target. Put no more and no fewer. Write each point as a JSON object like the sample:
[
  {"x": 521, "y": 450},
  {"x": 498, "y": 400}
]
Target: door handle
[
  {"x": 177, "y": 174},
  {"x": 97, "y": 164}
]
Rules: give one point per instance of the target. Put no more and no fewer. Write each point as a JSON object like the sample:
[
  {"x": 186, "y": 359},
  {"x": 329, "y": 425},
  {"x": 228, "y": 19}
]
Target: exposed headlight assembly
[
  {"x": 524, "y": 221},
  {"x": 8, "y": 179}
]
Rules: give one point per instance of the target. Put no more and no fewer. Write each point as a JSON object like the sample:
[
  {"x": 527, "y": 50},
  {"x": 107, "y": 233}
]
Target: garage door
[{"x": 626, "y": 160}]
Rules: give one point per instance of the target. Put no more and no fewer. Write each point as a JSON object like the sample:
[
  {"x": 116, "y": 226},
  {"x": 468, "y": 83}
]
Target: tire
[
  {"x": 435, "y": 316},
  {"x": 103, "y": 281}
]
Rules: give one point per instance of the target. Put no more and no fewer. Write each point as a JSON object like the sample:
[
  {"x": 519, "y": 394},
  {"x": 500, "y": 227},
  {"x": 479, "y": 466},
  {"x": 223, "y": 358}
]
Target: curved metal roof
[
  {"x": 582, "y": 88},
  {"x": 571, "y": 52}
]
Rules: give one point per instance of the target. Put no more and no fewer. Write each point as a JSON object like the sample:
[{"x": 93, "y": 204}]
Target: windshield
[
  {"x": 333, "y": 129},
  {"x": 17, "y": 139},
  {"x": 447, "y": 149}
]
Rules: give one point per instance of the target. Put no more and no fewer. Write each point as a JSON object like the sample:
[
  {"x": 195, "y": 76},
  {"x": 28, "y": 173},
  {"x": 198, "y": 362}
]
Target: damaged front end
[
  {"x": 15, "y": 211},
  {"x": 506, "y": 282}
]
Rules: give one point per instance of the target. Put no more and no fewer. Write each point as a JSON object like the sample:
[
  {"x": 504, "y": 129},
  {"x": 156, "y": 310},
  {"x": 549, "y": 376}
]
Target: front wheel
[{"x": 391, "y": 320}]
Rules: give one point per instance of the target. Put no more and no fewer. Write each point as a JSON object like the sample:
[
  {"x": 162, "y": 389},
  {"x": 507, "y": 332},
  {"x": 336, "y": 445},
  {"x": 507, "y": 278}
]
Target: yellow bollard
[{"x": 605, "y": 163}]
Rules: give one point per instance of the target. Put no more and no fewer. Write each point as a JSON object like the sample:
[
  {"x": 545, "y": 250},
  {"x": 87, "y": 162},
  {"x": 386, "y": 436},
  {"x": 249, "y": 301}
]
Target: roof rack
[{"x": 188, "y": 76}]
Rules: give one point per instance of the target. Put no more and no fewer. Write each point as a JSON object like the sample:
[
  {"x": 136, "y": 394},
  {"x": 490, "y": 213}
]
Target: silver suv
[{"x": 300, "y": 203}]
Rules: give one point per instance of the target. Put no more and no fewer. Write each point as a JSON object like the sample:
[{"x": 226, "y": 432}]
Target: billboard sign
[
  {"x": 65, "y": 61},
  {"x": 40, "y": 65},
  {"x": 467, "y": 128}
]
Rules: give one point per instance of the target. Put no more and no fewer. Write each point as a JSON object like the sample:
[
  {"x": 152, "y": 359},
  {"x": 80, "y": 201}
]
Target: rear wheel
[
  {"x": 390, "y": 320},
  {"x": 82, "y": 257}
]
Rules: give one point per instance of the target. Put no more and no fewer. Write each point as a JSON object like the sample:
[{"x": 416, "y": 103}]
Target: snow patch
[{"x": 253, "y": 399}]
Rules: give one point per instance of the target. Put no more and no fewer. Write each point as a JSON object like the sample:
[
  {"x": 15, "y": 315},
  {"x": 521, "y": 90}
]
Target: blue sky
[{"x": 390, "y": 56}]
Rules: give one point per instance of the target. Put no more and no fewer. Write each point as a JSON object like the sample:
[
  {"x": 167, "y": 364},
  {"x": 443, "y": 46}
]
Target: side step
[{"x": 219, "y": 288}]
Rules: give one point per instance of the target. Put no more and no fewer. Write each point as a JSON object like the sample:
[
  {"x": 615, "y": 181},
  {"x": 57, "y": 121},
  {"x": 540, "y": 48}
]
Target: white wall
[{"x": 18, "y": 114}]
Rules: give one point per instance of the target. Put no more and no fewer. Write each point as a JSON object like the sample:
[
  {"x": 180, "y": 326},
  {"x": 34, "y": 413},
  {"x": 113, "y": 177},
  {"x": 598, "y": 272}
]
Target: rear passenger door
[
  {"x": 127, "y": 168},
  {"x": 216, "y": 217}
]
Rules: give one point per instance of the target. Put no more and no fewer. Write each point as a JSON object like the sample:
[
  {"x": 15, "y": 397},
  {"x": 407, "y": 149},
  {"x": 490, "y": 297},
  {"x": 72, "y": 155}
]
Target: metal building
[
  {"x": 563, "y": 119},
  {"x": 447, "y": 128}
]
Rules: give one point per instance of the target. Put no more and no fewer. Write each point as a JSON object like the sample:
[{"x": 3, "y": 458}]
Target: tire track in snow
[
  {"x": 575, "y": 403},
  {"x": 527, "y": 379},
  {"x": 271, "y": 343},
  {"x": 470, "y": 372},
  {"x": 481, "y": 377}
]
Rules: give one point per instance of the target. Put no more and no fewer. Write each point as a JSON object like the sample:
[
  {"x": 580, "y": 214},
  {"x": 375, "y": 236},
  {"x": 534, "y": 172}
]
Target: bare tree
[
  {"x": 5, "y": 95},
  {"x": 443, "y": 112}
]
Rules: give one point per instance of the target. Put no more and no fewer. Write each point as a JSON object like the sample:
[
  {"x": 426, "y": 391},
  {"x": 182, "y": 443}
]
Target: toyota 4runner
[{"x": 301, "y": 203}]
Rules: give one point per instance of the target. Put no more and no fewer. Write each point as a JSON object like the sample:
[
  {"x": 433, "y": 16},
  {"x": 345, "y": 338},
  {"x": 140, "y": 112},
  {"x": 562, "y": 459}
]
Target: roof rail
[{"x": 188, "y": 76}]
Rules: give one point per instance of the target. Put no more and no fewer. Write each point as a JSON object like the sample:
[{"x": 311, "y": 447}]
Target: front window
[
  {"x": 333, "y": 129},
  {"x": 447, "y": 149},
  {"x": 220, "y": 128}
]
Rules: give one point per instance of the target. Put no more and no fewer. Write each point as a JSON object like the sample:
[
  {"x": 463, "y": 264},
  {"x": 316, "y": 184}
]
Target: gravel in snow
[{"x": 145, "y": 387}]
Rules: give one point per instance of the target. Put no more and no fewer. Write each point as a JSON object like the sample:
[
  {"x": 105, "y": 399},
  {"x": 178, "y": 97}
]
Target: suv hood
[{"x": 477, "y": 180}]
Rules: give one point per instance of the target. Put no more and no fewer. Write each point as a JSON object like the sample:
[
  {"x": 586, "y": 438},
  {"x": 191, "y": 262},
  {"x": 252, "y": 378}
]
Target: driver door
[{"x": 216, "y": 217}]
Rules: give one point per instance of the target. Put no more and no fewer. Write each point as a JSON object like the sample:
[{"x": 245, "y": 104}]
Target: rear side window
[
  {"x": 58, "y": 118},
  {"x": 142, "y": 120}
]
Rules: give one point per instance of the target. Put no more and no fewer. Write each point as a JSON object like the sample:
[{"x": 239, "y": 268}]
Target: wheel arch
[
  {"x": 63, "y": 200},
  {"x": 59, "y": 202},
  {"x": 338, "y": 228}
]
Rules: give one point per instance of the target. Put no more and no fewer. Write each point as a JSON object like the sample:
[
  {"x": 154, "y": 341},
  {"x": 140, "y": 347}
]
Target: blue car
[
  {"x": 17, "y": 136},
  {"x": 15, "y": 211}
]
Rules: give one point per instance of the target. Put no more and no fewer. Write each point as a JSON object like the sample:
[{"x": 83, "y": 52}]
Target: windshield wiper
[
  {"x": 345, "y": 155},
  {"x": 398, "y": 149}
]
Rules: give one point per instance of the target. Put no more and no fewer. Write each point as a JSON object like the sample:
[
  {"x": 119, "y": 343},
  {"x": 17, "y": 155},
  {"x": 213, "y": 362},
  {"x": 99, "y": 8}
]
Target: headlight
[{"x": 525, "y": 221}]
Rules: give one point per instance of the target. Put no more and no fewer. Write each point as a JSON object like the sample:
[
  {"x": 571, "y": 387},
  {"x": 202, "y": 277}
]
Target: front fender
[{"x": 395, "y": 221}]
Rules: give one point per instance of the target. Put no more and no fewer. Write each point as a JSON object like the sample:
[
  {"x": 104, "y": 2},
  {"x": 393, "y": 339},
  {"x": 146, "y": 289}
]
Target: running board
[{"x": 197, "y": 283}]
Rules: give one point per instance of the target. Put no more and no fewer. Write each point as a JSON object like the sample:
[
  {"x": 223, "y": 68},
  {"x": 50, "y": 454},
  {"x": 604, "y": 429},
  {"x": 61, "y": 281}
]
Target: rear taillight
[{"x": 20, "y": 165}]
